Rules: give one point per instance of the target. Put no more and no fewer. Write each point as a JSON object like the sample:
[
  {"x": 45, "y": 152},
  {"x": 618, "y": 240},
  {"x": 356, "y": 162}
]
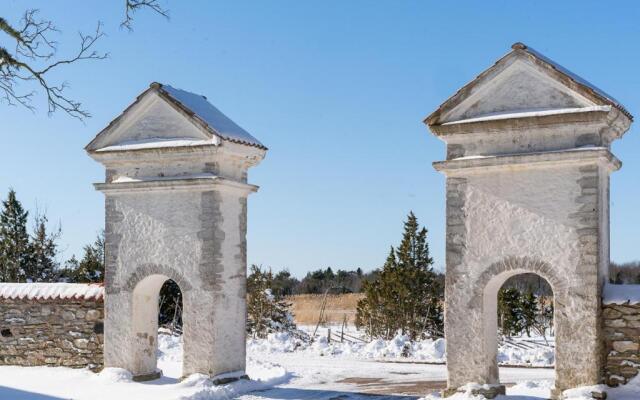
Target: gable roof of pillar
[
  {"x": 549, "y": 90},
  {"x": 212, "y": 124}
]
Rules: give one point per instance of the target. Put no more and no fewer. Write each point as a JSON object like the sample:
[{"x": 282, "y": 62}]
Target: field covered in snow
[{"x": 283, "y": 368}]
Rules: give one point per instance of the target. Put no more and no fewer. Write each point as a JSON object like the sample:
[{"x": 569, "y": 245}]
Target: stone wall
[
  {"x": 622, "y": 342},
  {"x": 54, "y": 332}
]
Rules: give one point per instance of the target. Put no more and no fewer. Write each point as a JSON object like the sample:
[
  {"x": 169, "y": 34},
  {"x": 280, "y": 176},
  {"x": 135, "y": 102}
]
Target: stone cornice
[
  {"x": 184, "y": 184},
  {"x": 575, "y": 156},
  {"x": 251, "y": 155},
  {"x": 526, "y": 122}
]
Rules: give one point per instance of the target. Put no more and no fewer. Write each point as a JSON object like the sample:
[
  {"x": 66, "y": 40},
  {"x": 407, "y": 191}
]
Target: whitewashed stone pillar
[
  {"x": 527, "y": 186},
  {"x": 176, "y": 208}
]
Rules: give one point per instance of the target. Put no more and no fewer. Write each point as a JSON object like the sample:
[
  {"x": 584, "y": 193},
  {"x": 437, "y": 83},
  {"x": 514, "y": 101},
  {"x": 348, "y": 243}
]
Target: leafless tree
[
  {"x": 135, "y": 5},
  {"x": 30, "y": 55}
]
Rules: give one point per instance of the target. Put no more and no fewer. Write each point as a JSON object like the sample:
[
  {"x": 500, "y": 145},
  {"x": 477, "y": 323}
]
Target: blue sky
[{"x": 336, "y": 89}]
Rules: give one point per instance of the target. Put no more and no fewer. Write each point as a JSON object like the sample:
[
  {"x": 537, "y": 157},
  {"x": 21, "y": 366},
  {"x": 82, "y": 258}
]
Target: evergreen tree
[
  {"x": 91, "y": 266},
  {"x": 69, "y": 270},
  {"x": 266, "y": 312},
  {"x": 284, "y": 284},
  {"x": 530, "y": 312},
  {"x": 42, "y": 265},
  {"x": 405, "y": 296},
  {"x": 510, "y": 316},
  {"x": 14, "y": 240}
]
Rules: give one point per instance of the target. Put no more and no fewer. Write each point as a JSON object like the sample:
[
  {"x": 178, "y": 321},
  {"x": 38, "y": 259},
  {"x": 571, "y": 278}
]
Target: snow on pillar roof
[
  {"x": 553, "y": 87},
  {"x": 52, "y": 291},
  {"x": 209, "y": 125},
  {"x": 209, "y": 114}
]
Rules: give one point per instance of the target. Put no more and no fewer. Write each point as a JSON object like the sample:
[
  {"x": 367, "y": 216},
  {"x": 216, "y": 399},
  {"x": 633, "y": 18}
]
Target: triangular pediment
[
  {"x": 168, "y": 117},
  {"x": 521, "y": 82},
  {"x": 151, "y": 118}
]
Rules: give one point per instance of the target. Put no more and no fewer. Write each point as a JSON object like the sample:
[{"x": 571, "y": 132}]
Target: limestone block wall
[
  {"x": 621, "y": 327},
  {"x": 53, "y": 332}
]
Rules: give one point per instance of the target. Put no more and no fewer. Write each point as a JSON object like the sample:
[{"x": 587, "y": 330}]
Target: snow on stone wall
[{"x": 47, "y": 291}]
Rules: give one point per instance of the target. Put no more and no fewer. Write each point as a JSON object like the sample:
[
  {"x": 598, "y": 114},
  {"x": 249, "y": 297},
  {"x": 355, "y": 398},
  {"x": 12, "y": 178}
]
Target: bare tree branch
[
  {"x": 31, "y": 60},
  {"x": 135, "y": 5}
]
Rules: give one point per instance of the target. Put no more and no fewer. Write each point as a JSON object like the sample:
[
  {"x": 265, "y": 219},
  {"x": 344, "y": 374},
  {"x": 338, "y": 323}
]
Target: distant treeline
[
  {"x": 628, "y": 273},
  {"x": 321, "y": 280}
]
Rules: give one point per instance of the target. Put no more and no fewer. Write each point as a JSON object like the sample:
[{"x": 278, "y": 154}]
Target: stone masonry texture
[
  {"x": 51, "y": 332},
  {"x": 621, "y": 324}
]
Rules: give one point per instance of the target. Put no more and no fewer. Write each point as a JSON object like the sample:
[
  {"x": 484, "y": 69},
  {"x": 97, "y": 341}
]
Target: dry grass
[{"x": 306, "y": 308}]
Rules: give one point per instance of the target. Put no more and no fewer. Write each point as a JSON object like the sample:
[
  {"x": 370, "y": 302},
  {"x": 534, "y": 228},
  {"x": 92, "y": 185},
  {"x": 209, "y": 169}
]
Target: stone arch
[
  {"x": 486, "y": 290},
  {"x": 514, "y": 265},
  {"x": 144, "y": 284},
  {"x": 142, "y": 271}
]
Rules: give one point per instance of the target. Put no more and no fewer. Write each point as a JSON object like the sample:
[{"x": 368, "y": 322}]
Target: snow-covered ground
[
  {"x": 318, "y": 372},
  {"x": 523, "y": 351}
]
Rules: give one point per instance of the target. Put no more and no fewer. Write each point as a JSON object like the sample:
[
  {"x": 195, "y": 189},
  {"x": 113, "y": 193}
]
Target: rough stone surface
[
  {"x": 51, "y": 332},
  {"x": 173, "y": 212},
  {"x": 622, "y": 342},
  {"x": 525, "y": 196}
]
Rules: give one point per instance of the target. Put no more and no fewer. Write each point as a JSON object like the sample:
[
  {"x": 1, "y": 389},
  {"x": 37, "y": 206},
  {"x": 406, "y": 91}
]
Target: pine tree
[
  {"x": 91, "y": 266},
  {"x": 14, "y": 240},
  {"x": 405, "y": 296},
  {"x": 266, "y": 312}
]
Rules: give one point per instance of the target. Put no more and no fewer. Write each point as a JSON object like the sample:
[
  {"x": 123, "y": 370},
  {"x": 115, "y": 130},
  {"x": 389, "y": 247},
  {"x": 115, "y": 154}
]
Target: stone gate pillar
[
  {"x": 527, "y": 185},
  {"x": 176, "y": 208}
]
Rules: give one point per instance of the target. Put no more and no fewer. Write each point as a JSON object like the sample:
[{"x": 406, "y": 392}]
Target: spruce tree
[
  {"x": 405, "y": 296},
  {"x": 41, "y": 264},
  {"x": 14, "y": 240}
]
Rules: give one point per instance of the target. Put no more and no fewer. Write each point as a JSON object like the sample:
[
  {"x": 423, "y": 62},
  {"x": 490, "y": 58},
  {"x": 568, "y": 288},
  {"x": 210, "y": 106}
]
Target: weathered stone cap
[
  {"x": 559, "y": 72},
  {"x": 52, "y": 291}
]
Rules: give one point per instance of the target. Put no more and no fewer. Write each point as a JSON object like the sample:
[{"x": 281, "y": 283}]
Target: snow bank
[
  {"x": 114, "y": 375},
  {"x": 630, "y": 391},
  {"x": 263, "y": 375},
  {"x": 400, "y": 347},
  {"x": 621, "y": 294},
  {"x": 537, "y": 357}
]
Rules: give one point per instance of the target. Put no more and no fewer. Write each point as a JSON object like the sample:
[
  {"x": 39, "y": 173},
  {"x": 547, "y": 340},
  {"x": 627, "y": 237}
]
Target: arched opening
[
  {"x": 157, "y": 303},
  {"x": 170, "y": 355},
  {"x": 519, "y": 321}
]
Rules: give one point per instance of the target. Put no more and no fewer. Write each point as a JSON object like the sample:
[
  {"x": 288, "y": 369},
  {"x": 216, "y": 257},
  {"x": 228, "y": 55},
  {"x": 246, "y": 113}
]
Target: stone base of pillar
[
  {"x": 224, "y": 381},
  {"x": 488, "y": 391},
  {"x": 147, "y": 377}
]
